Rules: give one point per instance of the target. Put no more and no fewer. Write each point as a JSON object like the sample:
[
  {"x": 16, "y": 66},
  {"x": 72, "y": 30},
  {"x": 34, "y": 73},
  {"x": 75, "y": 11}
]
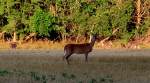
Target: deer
[{"x": 84, "y": 48}]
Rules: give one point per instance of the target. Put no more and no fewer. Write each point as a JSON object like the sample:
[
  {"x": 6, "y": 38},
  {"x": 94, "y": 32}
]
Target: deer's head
[{"x": 93, "y": 38}]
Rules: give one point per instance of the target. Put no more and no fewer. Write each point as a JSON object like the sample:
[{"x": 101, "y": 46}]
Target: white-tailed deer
[{"x": 84, "y": 48}]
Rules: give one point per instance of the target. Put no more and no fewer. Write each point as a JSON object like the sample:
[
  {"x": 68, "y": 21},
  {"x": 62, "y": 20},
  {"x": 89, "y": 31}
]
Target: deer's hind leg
[{"x": 65, "y": 54}]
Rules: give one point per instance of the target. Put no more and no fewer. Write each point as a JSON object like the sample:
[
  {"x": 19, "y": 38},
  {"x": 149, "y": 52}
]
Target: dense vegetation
[{"x": 60, "y": 19}]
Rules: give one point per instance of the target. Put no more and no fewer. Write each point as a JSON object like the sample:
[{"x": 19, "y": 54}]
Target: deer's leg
[
  {"x": 64, "y": 56},
  {"x": 67, "y": 58},
  {"x": 86, "y": 57}
]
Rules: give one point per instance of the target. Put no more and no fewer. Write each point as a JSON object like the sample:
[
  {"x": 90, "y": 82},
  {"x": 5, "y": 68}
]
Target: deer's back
[{"x": 78, "y": 48}]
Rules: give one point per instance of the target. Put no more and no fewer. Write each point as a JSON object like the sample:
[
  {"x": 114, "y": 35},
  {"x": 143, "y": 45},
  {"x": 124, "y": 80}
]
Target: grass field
[{"x": 104, "y": 66}]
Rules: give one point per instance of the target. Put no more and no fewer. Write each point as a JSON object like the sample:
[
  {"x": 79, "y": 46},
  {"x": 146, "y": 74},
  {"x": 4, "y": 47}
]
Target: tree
[{"x": 42, "y": 23}]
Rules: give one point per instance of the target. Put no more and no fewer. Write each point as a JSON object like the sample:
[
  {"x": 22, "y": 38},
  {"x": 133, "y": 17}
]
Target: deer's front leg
[
  {"x": 86, "y": 57},
  {"x": 67, "y": 58}
]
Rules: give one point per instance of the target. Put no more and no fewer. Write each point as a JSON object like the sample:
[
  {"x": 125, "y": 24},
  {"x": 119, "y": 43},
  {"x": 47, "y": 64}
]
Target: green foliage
[
  {"x": 145, "y": 26},
  {"x": 42, "y": 22},
  {"x": 103, "y": 16},
  {"x": 84, "y": 17},
  {"x": 4, "y": 72},
  {"x": 120, "y": 16}
]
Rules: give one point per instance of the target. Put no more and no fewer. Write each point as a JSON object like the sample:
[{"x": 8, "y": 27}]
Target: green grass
[
  {"x": 52, "y": 69},
  {"x": 4, "y": 72}
]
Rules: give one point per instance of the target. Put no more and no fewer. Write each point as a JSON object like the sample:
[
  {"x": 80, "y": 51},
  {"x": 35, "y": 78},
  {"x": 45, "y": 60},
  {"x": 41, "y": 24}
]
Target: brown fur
[{"x": 84, "y": 48}]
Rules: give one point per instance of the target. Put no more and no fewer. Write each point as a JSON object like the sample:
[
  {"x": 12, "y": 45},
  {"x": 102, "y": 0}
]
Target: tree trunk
[
  {"x": 14, "y": 37},
  {"x": 13, "y": 44},
  {"x": 138, "y": 13},
  {"x": 53, "y": 8}
]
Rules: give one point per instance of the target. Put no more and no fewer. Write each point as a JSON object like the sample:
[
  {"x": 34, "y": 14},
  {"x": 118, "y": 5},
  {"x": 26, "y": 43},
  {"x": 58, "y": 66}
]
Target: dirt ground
[{"x": 47, "y": 66}]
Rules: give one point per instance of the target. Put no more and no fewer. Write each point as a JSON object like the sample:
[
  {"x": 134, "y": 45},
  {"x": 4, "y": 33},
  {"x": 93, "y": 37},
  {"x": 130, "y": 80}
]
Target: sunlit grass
[{"x": 60, "y": 45}]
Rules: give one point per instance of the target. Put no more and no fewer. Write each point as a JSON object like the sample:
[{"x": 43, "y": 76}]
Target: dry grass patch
[
  {"x": 52, "y": 69},
  {"x": 59, "y": 45}
]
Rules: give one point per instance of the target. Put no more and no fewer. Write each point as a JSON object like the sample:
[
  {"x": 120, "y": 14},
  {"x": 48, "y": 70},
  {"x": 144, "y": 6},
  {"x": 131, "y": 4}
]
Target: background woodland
[{"x": 126, "y": 21}]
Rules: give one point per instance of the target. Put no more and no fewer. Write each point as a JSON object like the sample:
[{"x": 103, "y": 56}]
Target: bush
[{"x": 42, "y": 23}]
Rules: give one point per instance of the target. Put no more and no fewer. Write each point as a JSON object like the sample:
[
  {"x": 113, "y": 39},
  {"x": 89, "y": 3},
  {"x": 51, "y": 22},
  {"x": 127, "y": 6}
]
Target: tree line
[{"x": 63, "y": 19}]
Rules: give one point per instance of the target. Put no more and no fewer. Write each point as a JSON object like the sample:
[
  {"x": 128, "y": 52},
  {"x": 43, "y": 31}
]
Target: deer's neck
[{"x": 92, "y": 43}]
